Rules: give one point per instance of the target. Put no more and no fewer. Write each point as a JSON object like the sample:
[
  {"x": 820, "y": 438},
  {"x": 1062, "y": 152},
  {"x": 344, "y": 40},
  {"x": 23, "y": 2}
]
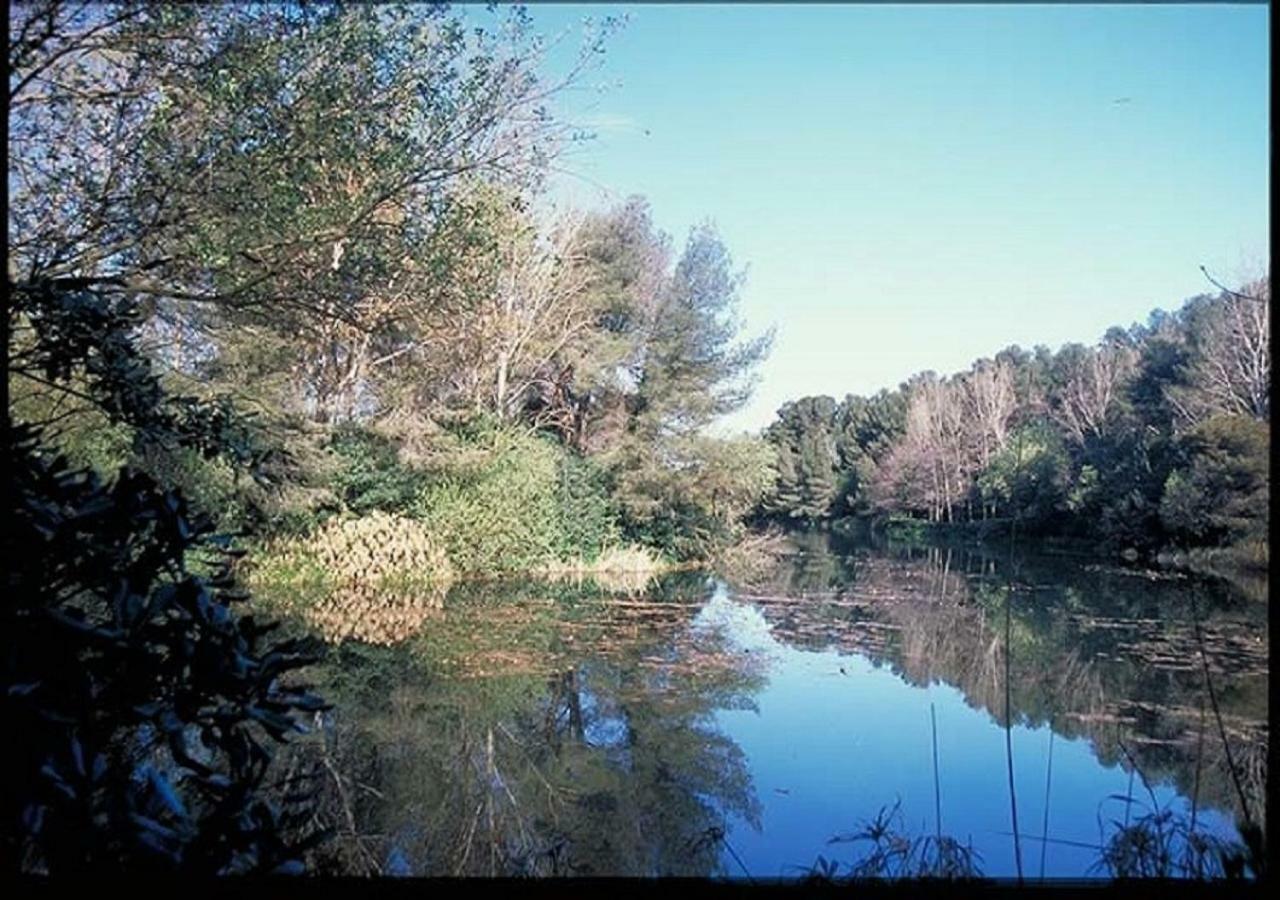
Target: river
[{"x": 846, "y": 708}]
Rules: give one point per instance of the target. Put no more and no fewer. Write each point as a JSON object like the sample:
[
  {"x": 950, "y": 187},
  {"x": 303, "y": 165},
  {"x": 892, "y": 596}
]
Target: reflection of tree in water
[
  {"x": 1108, "y": 655},
  {"x": 608, "y": 764},
  {"x": 814, "y": 564}
]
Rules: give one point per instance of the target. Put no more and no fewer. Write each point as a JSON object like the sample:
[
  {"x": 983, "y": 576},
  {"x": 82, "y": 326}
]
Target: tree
[
  {"x": 688, "y": 368},
  {"x": 281, "y": 169},
  {"x": 691, "y": 501},
  {"x": 693, "y": 368},
  {"x": 805, "y": 436},
  {"x": 1088, "y": 387},
  {"x": 1228, "y": 369},
  {"x": 511, "y": 317},
  {"x": 1110, "y": 450},
  {"x": 631, "y": 265},
  {"x": 1028, "y": 477},
  {"x": 866, "y": 431},
  {"x": 990, "y": 402},
  {"x": 1222, "y": 494},
  {"x": 116, "y": 656}
]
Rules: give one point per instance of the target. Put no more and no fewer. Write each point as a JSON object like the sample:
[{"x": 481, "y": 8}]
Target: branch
[{"x": 1227, "y": 290}]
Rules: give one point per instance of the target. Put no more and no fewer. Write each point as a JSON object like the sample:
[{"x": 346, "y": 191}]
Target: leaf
[{"x": 165, "y": 792}]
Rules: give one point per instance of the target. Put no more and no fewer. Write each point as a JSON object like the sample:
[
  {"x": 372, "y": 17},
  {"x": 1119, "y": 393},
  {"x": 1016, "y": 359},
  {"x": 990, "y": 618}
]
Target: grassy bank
[{"x": 1244, "y": 564}]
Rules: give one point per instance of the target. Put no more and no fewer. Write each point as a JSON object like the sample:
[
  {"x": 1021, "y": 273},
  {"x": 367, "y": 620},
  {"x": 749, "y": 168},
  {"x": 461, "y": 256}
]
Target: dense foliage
[
  {"x": 327, "y": 216},
  {"x": 284, "y": 270},
  {"x": 1157, "y": 437},
  {"x": 146, "y": 707}
]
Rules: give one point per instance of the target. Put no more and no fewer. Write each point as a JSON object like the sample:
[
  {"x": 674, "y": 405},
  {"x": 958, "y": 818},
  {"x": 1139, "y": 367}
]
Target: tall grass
[
  {"x": 376, "y": 579},
  {"x": 618, "y": 570},
  {"x": 1159, "y": 843}
]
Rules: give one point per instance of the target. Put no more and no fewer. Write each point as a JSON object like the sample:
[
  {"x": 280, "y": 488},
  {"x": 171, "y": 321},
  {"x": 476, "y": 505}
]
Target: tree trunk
[{"x": 504, "y": 362}]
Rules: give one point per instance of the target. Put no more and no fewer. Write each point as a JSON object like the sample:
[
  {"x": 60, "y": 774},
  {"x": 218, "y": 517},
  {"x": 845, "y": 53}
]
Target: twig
[
  {"x": 1008, "y": 739},
  {"x": 937, "y": 791},
  {"x": 736, "y": 858},
  {"x": 1217, "y": 714},
  {"x": 1227, "y": 290},
  {"x": 1048, "y": 776},
  {"x": 1195, "y": 791}
]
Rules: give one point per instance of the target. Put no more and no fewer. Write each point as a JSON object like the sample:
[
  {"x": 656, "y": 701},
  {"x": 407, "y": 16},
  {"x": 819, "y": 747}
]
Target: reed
[
  {"x": 628, "y": 569},
  {"x": 892, "y": 853}
]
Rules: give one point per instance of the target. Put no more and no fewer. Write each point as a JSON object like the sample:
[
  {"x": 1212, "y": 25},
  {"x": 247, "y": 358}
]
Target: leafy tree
[
  {"x": 1111, "y": 445},
  {"x": 806, "y": 428},
  {"x": 1028, "y": 478},
  {"x": 693, "y": 501},
  {"x": 694, "y": 368},
  {"x": 786, "y": 493},
  {"x": 1224, "y": 491},
  {"x": 258, "y": 172},
  {"x": 630, "y": 260},
  {"x": 688, "y": 369},
  {"x": 868, "y": 429}
]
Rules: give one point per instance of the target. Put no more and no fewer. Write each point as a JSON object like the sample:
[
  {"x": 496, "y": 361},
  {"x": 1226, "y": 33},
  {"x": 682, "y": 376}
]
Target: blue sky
[{"x": 914, "y": 187}]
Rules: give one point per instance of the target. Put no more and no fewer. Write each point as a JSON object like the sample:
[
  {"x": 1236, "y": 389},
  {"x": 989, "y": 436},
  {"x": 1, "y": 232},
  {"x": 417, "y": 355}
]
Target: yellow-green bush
[{"x": 375, "y": 579}]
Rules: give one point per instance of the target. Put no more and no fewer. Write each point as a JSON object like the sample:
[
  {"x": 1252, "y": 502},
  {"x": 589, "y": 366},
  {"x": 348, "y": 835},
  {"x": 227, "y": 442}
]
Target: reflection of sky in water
[
  {"x": 743, "y": 626},
  {"x": 827, "y": 750},
  {"x": 603, "y": 727}
]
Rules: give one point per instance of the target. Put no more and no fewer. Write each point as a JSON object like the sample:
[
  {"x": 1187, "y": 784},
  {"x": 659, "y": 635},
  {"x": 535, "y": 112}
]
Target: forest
[
  {"x": 289, "y": 298},
  {"x": 1153, "y": 444}
]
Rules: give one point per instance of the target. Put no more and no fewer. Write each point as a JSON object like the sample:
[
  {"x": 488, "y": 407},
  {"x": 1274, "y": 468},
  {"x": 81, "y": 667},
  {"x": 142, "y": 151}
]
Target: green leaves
[
  {"x": 501, "y": 511},
  {"x": 113, "y": 650},
  {"x": 1223, "y": 491}
]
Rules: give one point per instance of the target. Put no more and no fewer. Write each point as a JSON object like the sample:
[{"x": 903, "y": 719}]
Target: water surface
[{"x": 749, "y": 725}]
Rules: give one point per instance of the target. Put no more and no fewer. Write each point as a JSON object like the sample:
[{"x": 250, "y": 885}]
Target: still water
[{"x": 849, "y": 708}]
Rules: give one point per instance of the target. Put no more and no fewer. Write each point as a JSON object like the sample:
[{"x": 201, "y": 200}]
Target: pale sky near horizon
[{"x": 915, "y": 187}]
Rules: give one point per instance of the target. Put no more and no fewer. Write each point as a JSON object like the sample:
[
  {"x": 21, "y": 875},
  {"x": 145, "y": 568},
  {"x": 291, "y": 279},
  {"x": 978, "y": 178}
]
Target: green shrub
[
  {"x": 588, "y": 518},
  {"x": 87, "y": 438},
  {"x": 511, "y": 501},
  {"x": 210, "y": 485},
  {"x": 370, "y": 474},
  {"x": 1029, "y": 478},
  {"x": 687, "y": 496},
  {"x": 901, "y": 529},
  {"x": 1222, "y": 494}
]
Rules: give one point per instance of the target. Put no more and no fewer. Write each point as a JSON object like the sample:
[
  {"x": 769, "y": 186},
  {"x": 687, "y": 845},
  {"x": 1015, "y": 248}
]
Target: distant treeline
[{"x": 1157, "y": 438}]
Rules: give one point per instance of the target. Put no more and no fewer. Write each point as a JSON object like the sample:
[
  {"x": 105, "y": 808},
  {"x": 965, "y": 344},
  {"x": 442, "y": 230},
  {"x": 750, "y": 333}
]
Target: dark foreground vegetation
[{"x": 281, "y": 280}]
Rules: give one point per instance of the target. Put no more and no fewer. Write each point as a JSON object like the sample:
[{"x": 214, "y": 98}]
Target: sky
[{"x": 915, "y": 187}]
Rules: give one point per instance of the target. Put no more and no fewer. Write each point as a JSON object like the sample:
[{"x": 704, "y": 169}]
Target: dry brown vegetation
[{"x": 627, "y": 570}]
